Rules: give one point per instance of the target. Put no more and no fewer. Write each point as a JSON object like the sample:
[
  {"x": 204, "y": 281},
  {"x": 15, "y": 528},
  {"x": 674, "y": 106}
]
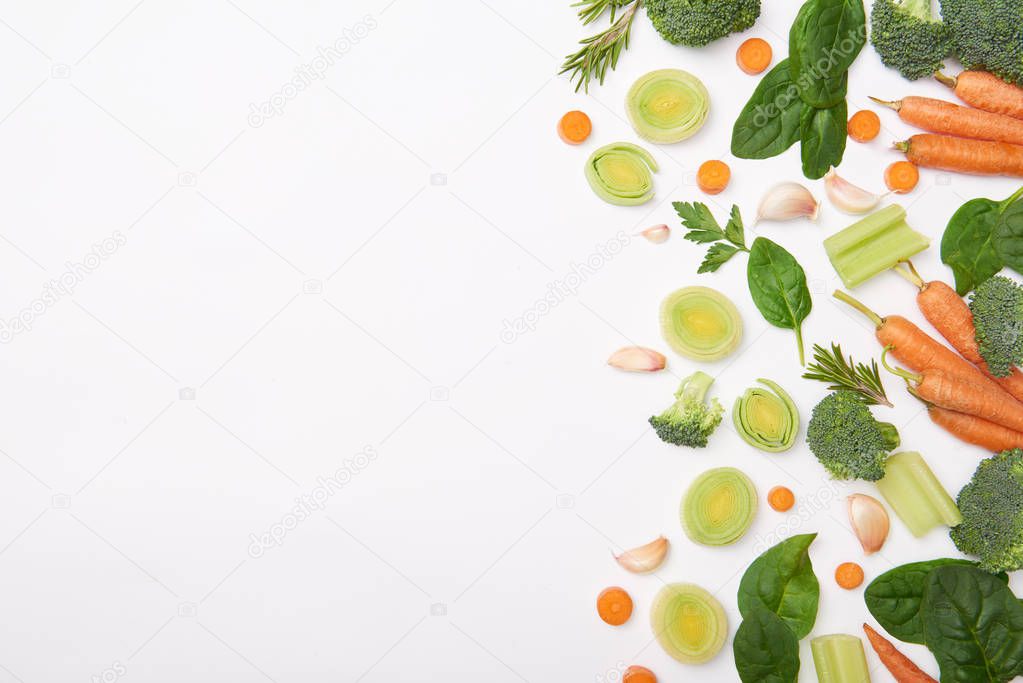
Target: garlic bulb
[
  {"x": 786, "y": 201},
  {"x": 657, "y": 233},
  {"x": 645, "y": 558},
  {"x": 637, "y": 359},
  {"x": 847, "y": 197},
  {"x": 869, "y": 521}
]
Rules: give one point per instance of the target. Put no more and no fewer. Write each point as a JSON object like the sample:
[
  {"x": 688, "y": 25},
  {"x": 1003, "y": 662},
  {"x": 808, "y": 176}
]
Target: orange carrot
[
  {"x": 849, "y": 575},
  {"x": 781, "y": 498},
  {"x": 713, "y": 176},
  {"x": 939, "y": 116},
  {"x": 981, "y": 157},
  {"x": 976, "y": 430},
  {"x": 952, "y": 318},
  {"x": 574, "y": 127},
  {"x": 898, "y": 664},
  {"x": 614, "y": 606},
  {"x": 986, "y": 91},
  {"x": 753, "y": 56},
  {"x": 638, "y": 674},
  {"x": 901, "y": 177},
  {"x": 863, "y": 126}
]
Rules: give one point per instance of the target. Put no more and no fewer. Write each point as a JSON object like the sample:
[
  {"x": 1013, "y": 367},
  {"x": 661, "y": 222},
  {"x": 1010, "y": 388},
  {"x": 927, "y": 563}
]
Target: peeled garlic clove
[
  {"x": 645, "y": 558},
  {"x": 786, "y": 201},
  {"x": 656, "y": 233},
  {"x": 848, "y": 197},
  {"x": 637, "y": 359},
  {"x": 869, "y": 521}
]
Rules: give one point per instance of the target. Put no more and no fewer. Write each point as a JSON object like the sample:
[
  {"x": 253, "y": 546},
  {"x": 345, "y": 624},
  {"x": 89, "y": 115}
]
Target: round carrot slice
[
  {"x": 781, "y": 498},
  {"x": 849, "y": 575},
  {"x": 614, "y": 606},
  {"x": 901, "y": 177},
  {"x": 713, "y": 176},
  {"x": 638, "y": 674},
  {"x": 753, "y": 56},
  {"x": 574, "y": 127},
  {"x": 864, "y": 126}
]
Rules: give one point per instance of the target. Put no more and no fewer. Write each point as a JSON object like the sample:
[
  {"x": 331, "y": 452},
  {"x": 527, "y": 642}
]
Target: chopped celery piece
[
  {"x": 873, "y": 245},
  {"x": 839, "y": 658},
  {"x": 916, "y": 495}
]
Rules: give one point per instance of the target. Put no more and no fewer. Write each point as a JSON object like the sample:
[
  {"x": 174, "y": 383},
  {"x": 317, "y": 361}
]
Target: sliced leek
[
  {"x": 667, "y": 105},
  {"x": 766, "y": 418},
  {"x": 718, "y": 507},
  {"x": 700, "y": 323},
  {"x": 622, "y": 173},
  {"x": 689, "y": 622}
]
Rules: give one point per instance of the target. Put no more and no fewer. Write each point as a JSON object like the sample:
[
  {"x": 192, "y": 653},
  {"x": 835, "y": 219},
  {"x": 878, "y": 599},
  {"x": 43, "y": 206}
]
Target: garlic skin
[
  {"x": 637, "y": 359},
  {"x": 869, "y": 521},
  {"x": 656, "y": 233},
  {"x": 787, "y": 201},
  {"x": 645, "y": 558},
  {"x": 846, "y": 197}
]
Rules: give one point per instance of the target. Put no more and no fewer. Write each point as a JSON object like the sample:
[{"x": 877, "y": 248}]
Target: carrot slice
[
  {"x": 781, "y": 498},
  {"x": 753, "y": 56},
  {"x": 638, "y": 674},
  {"x": 849, "y": 575},
  {"x": 864, "y": 126},
  {"x": 614, "y": 606},
  {"x": 574, "y": 127},
  {"x": 901, "y": 177},
  {"x": 713, "y": 176}
]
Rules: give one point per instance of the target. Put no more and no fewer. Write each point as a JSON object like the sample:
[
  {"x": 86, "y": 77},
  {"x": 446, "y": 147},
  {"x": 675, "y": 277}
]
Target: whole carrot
[
  {"x": 939, "y": 116},
  {"x": 955, "y": 392},
  {"x": 898, "y": 664},
  {"x": 952, "y": 318},
  {"x": 976, "y": 430},
  {"x": 986, "y": 91},
  {"x": 980, "y": 157}
]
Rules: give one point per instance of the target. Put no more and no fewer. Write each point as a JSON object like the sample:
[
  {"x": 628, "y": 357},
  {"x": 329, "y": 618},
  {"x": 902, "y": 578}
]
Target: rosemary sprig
[
  {"x": 841, "y": 373},
  {"x": 600, "y": 52}
]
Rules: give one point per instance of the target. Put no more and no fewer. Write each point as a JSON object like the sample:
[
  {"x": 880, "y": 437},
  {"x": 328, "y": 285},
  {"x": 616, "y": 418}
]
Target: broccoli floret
[
  {"x": 690, "y": 419},
  {"x": 846, "y": 438},
  {"x": 987, "y": 34},
  {"x": 908, "y": 38},
  {"x": 997, "y": 306},
  {"x": 992, "y": 509},
  {"x": 698, "y": 22}
]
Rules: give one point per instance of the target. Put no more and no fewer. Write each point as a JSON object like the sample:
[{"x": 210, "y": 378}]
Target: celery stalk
[
  {"x": 873, "y": 244},
  {"x": 916, "y": 495},
  {"x": 839, "y": 658}
]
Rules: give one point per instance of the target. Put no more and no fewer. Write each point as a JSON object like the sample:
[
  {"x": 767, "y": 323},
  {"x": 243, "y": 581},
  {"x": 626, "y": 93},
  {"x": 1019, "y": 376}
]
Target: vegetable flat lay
[{"x": 947, "y": 488}]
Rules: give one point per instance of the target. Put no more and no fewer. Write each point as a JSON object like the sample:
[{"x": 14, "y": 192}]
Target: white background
[{"x": 336, "y": 279}]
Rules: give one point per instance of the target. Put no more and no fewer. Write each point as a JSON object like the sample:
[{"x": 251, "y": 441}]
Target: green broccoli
[
  {"x": 846, "y": 438},
  {"x": 992, "y": 509},
  {"x": 908, "y": 38},
  {"x": 987, "y": 34},
  {"x": 690, "y": 419},
  {"x": 997, "y": 307},
  {"x": 697, "y": 22}
]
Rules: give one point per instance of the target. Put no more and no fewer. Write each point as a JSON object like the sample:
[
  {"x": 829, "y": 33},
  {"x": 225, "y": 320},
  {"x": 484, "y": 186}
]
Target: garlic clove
[
  {"x": 847, "y": 197},
  {"x": 637, "y": 359},
  {"x": 869, "y": 521},
  {"x": 656, "y": 233},
  {"x": 786, "y": 201},
  {"x": 645, "y": 558}
]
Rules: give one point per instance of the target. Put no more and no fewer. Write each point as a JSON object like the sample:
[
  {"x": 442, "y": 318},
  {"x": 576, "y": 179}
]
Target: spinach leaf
[
  {"x": 973, "y": 624},
  {"x": 765, "y": 649},
  {"x": 777, "y": 284},
  {"x": 823, "y": 133},
  {"x": 1009, "y": 235},
  {"x": 893, "y": 598},
  {"x": 824, "y": 40},
  {"x": 782, "y": 581},
  {"x": 769, "y": 123}
]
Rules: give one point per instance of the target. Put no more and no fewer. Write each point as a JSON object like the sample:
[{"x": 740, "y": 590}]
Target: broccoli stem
[
  {"x": 694, "y": 387},
  {"x": 890, "y": 435}
]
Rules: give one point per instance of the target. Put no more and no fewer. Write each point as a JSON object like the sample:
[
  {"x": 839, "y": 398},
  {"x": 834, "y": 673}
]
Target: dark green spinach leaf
[
  {"x": 973, "y": 624},
  {"x": 893, "y": 598},
  {"x": 1009, "y": 234},
  {"x": 823, "y": 134},
  {"x": 765, "y": 649},
  {"x": 824, "y": 40},
  {"x": 777, "y": 284},
  {"x": 782, "y": 581},
  {"x": 769, "y": 123},
  {"x": 971, "y": 245}
]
